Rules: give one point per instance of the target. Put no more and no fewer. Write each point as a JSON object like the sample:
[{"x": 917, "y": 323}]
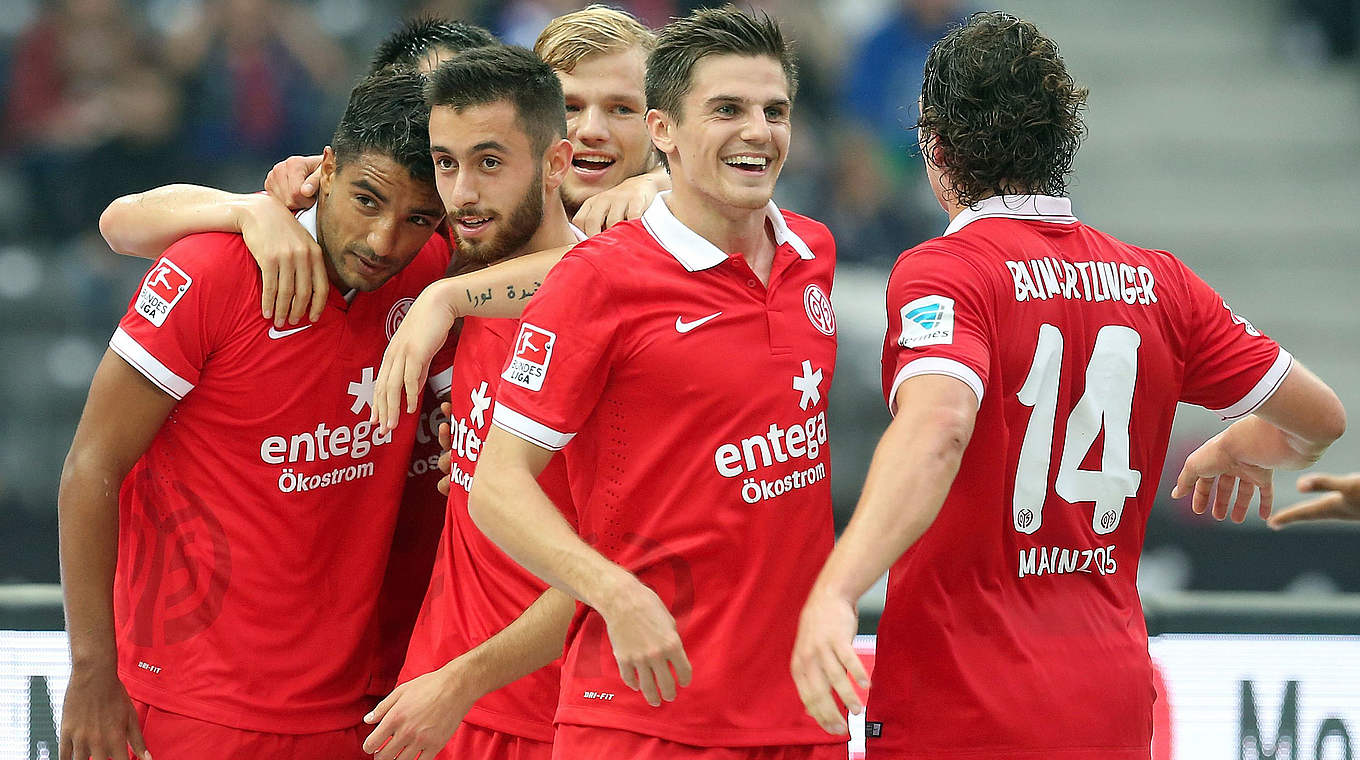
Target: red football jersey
[
  {"x": 255, "y": 529},
  {"x": 476, "y": 590},
  {"x": 1013, "y": 625},
  {"x": 701, "y": 464}
]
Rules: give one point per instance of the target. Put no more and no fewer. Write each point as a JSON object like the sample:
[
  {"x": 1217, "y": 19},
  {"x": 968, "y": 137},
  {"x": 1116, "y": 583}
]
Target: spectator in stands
[
  {"x": 88, "y": 106},
  {"x": 256, "y": 74},
  {"x": 885, "y": 69}
]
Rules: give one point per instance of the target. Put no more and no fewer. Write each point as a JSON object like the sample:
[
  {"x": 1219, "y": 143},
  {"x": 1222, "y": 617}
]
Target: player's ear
[
  {"x": 327, "y": 169},
  {"x": 556, "y": 164},
  {"x": 660, "y": 125}
]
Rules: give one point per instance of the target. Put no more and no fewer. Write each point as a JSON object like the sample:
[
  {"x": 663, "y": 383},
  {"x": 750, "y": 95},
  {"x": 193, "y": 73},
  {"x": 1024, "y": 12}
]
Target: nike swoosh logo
[
  {"x": 276, "y": 334},
  {"x": 681, "y": 326}
]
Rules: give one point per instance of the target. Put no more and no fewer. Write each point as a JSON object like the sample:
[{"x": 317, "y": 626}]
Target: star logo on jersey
[
  {"x": 480, "y": 403},
  {"x": 809, "y": 385},
  {"x": 927, "y": 321},
  {"x": 362, "y": 391}
]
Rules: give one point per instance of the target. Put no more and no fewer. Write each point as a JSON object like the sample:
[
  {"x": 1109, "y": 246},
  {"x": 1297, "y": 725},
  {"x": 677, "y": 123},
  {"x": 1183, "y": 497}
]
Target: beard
[{"x": 516, "y": 229}]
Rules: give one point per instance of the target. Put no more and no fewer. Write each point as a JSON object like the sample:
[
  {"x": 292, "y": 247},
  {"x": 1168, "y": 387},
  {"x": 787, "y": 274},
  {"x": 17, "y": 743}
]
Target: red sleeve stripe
[{"x": 132, "y": 352}]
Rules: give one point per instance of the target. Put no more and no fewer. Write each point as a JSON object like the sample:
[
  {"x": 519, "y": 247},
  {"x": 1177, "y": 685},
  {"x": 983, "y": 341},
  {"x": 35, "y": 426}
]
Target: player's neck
[
  {"x": 554, "y": 231},
  {"x": 728, "y": 228}
]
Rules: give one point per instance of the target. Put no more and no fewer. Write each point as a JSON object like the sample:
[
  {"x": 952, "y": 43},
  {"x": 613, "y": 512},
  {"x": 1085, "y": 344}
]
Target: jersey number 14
[{"x": 1105, "y": 405}]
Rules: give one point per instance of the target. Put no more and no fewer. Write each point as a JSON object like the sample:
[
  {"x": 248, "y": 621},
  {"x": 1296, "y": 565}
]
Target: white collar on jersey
[
  {"x": 578, "y": 232},
  {"x": 1039, "y": 208},
  {"x": 692, "y": 250},
  {"x": 307, "y": 218}
]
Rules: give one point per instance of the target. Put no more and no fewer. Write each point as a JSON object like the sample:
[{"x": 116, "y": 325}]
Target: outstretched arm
[
  {"x": 909, "y": 477},
  {"x": 511, "y": 508},
  {"x": 1290, "y": 431},
  {"x": 499, "y": 291},
  {"x": 291, "y": 265},
  {"x": 122, "y": 414},
  {"x": 1340, "y": 500},
  {"x": 419, "y": 717}
]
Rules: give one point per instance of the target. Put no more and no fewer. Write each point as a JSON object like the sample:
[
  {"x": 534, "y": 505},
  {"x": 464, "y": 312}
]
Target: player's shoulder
[
  {"x": 209, "y": 253},
  {"x": 946, "y": 252},
  {"x": 218, "y": 262},
  {"x": 619, "y": 248},
  {"x": 814, "y": 234}
]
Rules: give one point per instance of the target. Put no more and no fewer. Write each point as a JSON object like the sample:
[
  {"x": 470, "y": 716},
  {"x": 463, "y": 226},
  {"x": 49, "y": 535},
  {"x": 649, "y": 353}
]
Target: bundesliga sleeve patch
[
  {"x": 533, "y": 352},
  {"x": 927, "y": 321},
  {"x": 163, "y": 287}
]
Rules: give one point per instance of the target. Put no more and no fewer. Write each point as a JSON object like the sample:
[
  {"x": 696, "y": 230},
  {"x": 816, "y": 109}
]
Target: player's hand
[
  {"x": 98, "y": 719},
  {"x": 1212, "y": 472},
  {"x": 824, "y": 660},
  {"x": 646, "y": 643},
  {"x": 1340, "y": 500},
  {"x": 419, "y": 717},
  {"x": 294, "y": 181},
  {"x": 292, "y": 267},
  {"x": 406, "y": 362},
  {"x": 626, "y": 200},
  {"x": 445, "y": 448}
]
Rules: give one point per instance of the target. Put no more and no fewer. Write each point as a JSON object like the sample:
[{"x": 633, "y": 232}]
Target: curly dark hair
[
  {"x": 1002, "y": 110},
  {"x": 418, "y": 36}
]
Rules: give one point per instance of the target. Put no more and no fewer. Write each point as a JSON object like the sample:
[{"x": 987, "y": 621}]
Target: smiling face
[
  {"x": 605, "y": 123},
  {"x": 490, "y": 178},
  {"x": 729, "y": 142},
  {"x": 372, "y": 219}
]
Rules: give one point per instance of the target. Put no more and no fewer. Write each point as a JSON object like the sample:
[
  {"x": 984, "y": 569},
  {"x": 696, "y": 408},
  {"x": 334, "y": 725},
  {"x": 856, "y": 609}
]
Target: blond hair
[{"x": 593, "y": 30}]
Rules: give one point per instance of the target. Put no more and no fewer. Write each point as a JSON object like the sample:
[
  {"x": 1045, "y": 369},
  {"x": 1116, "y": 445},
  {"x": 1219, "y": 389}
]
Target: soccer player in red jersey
[
  {"x": 224, "y": 527},
  {"x": 1034, "y": 365},
  {"x": 683, "y": 360},
  {"x": 498, "y": 140}
]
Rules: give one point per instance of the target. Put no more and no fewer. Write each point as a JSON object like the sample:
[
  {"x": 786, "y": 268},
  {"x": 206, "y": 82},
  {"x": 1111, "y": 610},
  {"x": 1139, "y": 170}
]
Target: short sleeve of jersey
[
  {"x": 182, "y": 307},
  {"x": 559, "y": 361},
  {"x": 441, "y": 366},
  {"x": 938, "y": 316},
  {"x": 1231, "y": 368}
]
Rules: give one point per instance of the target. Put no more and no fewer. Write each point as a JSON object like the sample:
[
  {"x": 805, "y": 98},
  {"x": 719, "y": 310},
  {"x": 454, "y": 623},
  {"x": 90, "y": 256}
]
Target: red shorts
[
  {"x": 471, "y": 742},
  {"x": 590, "y": 742},
  {"x": 169, "y": 736}
]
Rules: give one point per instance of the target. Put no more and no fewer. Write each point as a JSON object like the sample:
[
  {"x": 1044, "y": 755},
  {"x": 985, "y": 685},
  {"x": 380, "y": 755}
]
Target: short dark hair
[
  {"x": 387, "y": 115},
  {"x": 418, "y": 36},
  {"x": 722, "y": 31},
  {"x": 504, "y": 73},
  {"x": 1000, "y": 105}
]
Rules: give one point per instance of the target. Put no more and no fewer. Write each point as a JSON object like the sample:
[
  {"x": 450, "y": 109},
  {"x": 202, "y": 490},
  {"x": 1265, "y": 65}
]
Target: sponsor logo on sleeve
[
  {"x": 819, "y": 311},
  {"x": 927, "y": 321},
  {"x": 533, "y": 352},
  {"x": 163, "y": 287}
]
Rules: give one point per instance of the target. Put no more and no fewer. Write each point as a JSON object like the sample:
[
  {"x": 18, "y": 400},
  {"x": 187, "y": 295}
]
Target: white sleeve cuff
[
  {"x": 1263, "y": 390},
  {"x": 442, "y": 383},
  {"x": 935, "y": 365},
  {"x": 534, "y": 432},
  {"x": 141, "y": 360}
]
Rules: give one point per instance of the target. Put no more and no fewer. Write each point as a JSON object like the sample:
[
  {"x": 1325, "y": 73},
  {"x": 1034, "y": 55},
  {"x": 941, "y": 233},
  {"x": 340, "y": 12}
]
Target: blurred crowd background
[{"x": 1232, "y": 121}]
